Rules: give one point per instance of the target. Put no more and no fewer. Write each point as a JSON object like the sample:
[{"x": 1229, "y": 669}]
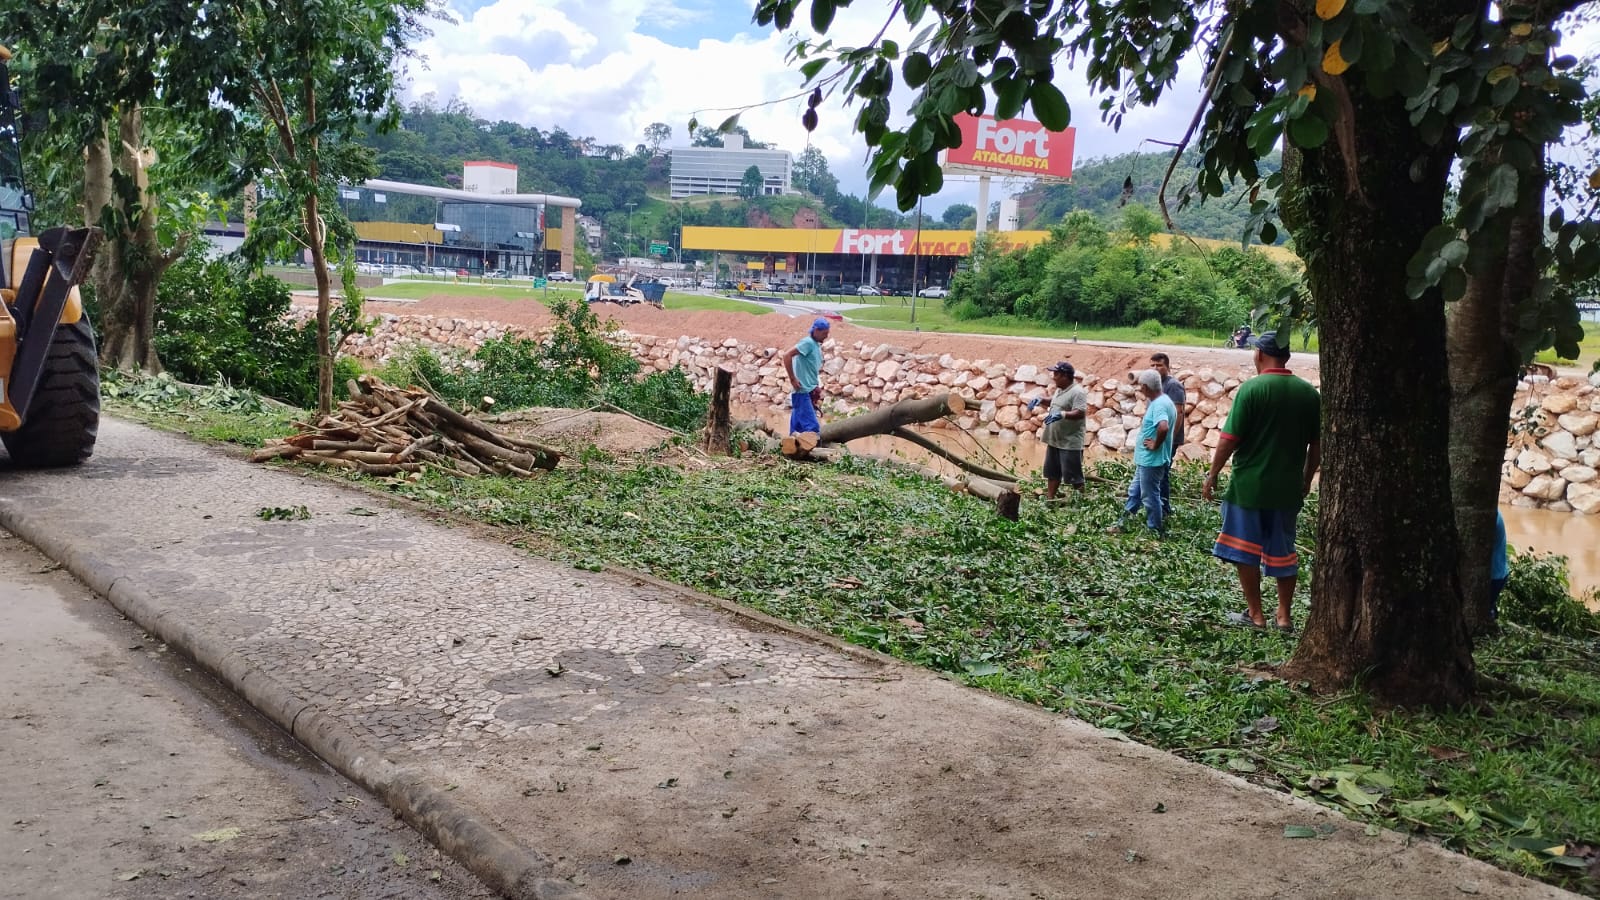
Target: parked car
[
  {"x": 933, "y": 293},
  {"x": 560, "y": 276},
  {"x": 867, "y": 290}
]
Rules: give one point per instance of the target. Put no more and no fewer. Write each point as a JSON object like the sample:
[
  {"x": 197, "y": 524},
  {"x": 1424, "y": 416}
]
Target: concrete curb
[{"x": 486, "y": 850}]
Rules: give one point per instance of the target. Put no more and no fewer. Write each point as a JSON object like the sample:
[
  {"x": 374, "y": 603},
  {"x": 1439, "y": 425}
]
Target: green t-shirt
[
  {"x": 1067, "y": 434},
  {"x": 1275, "y": 416},
  {"x": 808, "y": 364}
]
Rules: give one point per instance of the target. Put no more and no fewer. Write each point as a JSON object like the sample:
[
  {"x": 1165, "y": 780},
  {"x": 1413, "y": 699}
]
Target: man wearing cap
[
  {"x": 1152, "y": 454},
  {"x": 1274, "y": 437},
  {"x": 1063, "y": 431},
  {"x": 1173, "y": 388},
  {"x": 803, "y": 362}
]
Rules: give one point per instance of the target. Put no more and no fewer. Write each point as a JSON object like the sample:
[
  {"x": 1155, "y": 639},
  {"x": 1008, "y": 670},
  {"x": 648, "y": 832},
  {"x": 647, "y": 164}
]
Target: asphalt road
[{"x": 129, "y": 775}]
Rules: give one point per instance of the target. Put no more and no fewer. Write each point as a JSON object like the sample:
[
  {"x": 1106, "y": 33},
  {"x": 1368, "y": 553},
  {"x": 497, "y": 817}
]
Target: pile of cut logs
[{"x": 385, "y": 430}]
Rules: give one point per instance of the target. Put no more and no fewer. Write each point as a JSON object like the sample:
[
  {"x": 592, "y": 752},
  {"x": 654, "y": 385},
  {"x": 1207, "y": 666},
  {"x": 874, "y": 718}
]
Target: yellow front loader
[{"x": 49, "y": 373}]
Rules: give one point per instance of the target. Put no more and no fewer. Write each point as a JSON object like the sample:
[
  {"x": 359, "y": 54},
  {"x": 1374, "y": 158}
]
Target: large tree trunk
[
  {"x": 1386, "y": 600},
  {"x": 127, "y": 274},
  {"x": 1483, "y": 380}
]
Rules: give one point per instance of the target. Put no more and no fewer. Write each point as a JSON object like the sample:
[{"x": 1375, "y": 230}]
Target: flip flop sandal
[
  {"x": 1243, "y": 620},
  {"x": 1284, "y": 629}
]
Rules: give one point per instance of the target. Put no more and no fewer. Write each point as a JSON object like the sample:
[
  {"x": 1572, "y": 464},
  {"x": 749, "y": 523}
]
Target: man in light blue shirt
[
  {"x": 1152, "y": 455},
  {"x": 803, "y": 362}
]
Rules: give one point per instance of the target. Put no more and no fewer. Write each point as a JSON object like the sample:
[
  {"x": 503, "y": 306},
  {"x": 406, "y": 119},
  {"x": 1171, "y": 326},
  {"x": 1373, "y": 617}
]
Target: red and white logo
[{"x": 1012, "y": 145}]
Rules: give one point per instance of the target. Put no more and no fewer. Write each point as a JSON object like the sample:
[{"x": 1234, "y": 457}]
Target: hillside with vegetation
[
  {"x": 1100, "y": 186},
  {"x": 626, "y": 188}
]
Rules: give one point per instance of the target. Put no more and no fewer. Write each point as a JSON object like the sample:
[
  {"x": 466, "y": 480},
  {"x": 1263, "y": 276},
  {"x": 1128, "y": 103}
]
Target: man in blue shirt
[
  {"x": 803, "y": 362},
  {"x": 1152, "y": 455},
  {"x": 1499, "y": 566}
]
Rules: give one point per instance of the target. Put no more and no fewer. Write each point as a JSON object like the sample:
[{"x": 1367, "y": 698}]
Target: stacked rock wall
[{"x": 1552, "y": 459}]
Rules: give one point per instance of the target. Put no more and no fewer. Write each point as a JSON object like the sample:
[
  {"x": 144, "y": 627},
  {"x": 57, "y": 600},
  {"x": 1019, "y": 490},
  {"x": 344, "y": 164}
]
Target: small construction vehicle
[
  {"x": 49, "y": 373},
  {"x": 604, "y": 288}
]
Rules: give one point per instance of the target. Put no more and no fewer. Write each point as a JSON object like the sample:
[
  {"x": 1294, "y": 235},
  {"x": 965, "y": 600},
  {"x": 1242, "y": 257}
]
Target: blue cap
[{"x": 821, "y": 323}]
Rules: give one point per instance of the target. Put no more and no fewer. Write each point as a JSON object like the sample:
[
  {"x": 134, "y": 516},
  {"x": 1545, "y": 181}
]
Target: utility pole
[
  {"x": 630, "y": 226},
  {"x": 916, "y": 260}
]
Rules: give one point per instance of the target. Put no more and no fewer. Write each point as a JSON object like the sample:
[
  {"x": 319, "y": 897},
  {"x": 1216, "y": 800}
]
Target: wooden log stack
[{"x": 385, "y": 430}]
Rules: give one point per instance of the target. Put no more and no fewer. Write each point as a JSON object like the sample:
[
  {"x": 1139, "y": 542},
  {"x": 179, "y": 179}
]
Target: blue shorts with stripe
[{"x": 1259, "y": 537}]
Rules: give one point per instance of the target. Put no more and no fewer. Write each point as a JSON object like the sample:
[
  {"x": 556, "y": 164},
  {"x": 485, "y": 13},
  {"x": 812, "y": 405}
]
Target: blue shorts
[
  {"x": 803, "y": 417},
  {"x": 1259, "y": 537}
]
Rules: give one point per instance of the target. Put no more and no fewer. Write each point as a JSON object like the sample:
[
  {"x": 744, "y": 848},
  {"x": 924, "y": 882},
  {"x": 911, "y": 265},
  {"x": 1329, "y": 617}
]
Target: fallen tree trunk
[
  {"x": 965, "y": 465},
  {"x": 885, "y": 420}
]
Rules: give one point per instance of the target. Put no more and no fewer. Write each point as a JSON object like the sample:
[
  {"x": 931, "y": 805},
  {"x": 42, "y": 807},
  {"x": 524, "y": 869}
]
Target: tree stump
[{"x": 719, "y": 424}]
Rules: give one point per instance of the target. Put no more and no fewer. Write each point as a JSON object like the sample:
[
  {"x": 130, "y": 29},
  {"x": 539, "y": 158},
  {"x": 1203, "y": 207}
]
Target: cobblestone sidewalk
[{"x": 645, "y": 742}]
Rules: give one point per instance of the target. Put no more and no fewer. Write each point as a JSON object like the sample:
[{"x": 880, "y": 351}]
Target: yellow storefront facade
[{"x": 888, "y": 258}]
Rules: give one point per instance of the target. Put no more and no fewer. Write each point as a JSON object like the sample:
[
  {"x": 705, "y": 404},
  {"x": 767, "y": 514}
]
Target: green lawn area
[
  {"x": 417, "y": 290},
  {"x": 931, "y": 316},
  {"x": 1588, "y": 350}
]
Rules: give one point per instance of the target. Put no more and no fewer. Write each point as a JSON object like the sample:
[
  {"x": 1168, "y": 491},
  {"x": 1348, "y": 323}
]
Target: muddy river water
[{"x": 1576, "y": 537}]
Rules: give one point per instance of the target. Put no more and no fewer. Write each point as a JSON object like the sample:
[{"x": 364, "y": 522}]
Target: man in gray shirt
[
  {"x": 1063, "y": 431},
  {"x": 1173, "y": 389}
]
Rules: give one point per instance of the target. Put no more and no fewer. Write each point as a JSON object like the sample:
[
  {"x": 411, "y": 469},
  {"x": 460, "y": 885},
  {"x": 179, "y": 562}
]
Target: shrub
[
  {"x": 217, "y": 320},
  {"x": 581, "y": 363},
  {"x": 1151, "y": 328},
  {"x": 1538, "y": 595},
  {"x": 966, "y": 310}
]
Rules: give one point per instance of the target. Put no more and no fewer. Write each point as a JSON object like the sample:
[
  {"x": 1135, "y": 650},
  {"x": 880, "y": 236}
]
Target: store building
[
  {"x": 720, "y": 170},
  {"x": 902, "y": 260}
]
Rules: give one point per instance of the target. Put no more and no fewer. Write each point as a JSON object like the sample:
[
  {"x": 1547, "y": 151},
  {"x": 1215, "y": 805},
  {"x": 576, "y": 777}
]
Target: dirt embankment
[{"x": 779, "y": 330}]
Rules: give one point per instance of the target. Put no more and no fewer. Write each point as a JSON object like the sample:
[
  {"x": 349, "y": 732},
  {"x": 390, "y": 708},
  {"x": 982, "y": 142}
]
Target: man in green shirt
[{"x": 1274, "y": 437}]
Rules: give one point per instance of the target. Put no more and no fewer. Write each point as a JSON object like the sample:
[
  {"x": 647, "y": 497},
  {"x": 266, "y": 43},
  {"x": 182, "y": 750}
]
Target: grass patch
[
  {"x": 931, "y": 316},
  {"x": 1588, "y": 350},
  {"x": 1120, "y": 630}
]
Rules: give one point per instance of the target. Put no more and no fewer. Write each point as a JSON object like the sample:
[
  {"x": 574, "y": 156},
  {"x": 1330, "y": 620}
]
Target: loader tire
[{"x": 65, "y": 414}]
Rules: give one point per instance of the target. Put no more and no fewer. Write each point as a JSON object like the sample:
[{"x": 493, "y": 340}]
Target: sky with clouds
[{"x": 607, "y": 68}]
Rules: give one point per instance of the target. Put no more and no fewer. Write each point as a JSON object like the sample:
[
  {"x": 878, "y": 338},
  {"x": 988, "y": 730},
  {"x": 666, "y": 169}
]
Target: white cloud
[{"x": 583, "y": 65}]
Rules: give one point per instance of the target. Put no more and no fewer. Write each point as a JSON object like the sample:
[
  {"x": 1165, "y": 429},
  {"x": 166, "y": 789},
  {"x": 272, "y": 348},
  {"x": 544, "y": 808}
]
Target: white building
[{"x": 720, "y": 170}]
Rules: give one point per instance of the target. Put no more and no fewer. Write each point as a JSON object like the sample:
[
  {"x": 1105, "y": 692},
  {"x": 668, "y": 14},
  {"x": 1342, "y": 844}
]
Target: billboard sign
[
  {"x": 900, "y": 242},
  {"x": 1012, "y": 146}
]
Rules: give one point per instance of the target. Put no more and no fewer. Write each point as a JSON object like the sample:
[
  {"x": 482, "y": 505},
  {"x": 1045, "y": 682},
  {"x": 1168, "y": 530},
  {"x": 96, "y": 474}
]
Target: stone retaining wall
[
  {"x": 1552, "y": 460},
  {"x": 1553, "y": 456}
]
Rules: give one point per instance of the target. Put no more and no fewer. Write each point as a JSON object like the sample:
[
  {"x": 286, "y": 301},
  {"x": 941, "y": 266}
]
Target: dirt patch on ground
[
  {"x": 782, "y": 330},
  {"x": 573, "y": 430}
]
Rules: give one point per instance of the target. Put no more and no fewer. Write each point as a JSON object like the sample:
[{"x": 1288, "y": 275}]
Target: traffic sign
[
  {"x": 540, "y": 282},
  {"x": 659, "y": 249}
]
